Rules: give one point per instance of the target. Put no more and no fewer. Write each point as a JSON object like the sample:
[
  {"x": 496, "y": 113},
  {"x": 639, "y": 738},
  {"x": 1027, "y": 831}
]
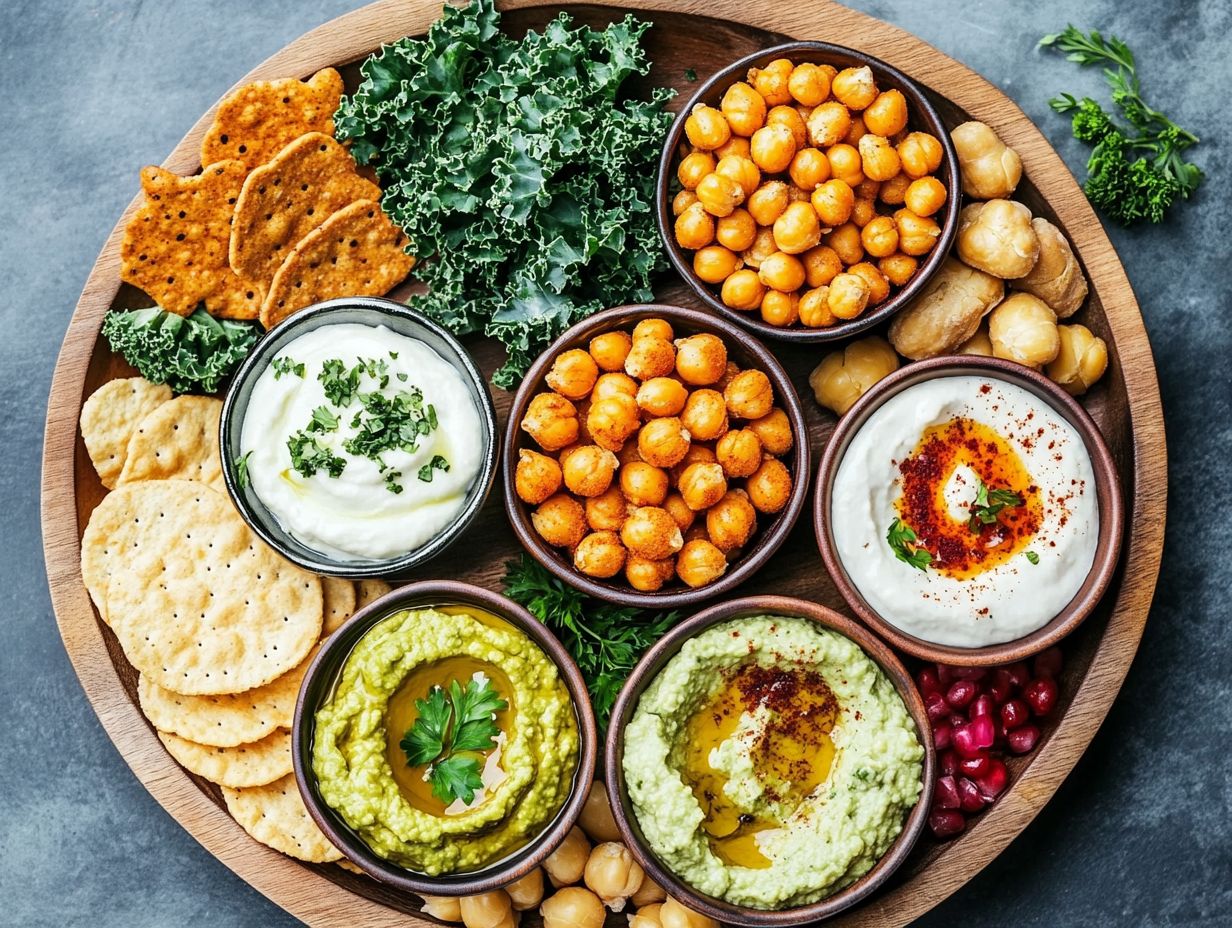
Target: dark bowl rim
[
  {"x": 390, "y": 568},
  {"x": 769, "y": 540},
  {"x": 652, "y": 663},
  {"x": 344, "y": 640},
  {"x": 1107, "y": 487},
  {"x": 933, "y": 261}
]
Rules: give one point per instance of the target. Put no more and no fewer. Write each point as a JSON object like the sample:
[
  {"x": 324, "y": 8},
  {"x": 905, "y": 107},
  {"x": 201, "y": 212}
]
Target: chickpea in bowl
[{"x": 656, "y": 455}]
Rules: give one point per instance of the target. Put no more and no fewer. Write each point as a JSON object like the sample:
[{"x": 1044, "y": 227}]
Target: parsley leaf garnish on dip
[
  {"x": 241, "y": 470},
  {"x": 307, "y": 457},
  {"x": 988, "y": 504},
  {"x": 904, "y": 543},
  {"x": 286, "y": 366},
  {"x": 463, "y": 721}
]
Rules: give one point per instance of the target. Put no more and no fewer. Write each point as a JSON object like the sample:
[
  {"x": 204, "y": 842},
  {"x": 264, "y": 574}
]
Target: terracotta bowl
[
  {"x": 645, "y": 672},
  {"x": 746, "y": 352},
  {"x": 922, "y": 117},
  {"x": 1107, "y": 488},
  {"x": 319, "y": 683}
]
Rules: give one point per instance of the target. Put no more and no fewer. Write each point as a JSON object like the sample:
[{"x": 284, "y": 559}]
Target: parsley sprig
[
  {"x": 906, "y": 546},
  {"x": 309, "y": 456},
  {"x": 454, "y": 725},
  {"x": 287, "y": 366},
  {"x": 989, "y": 504}
]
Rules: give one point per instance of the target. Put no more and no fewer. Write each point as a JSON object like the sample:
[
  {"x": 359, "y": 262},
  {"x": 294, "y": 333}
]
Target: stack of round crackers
[{"x": 220, "y": 628}]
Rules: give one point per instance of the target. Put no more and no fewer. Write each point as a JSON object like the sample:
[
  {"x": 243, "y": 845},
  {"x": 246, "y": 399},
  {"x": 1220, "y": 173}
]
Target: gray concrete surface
[{"x": 1139, "y": 835}]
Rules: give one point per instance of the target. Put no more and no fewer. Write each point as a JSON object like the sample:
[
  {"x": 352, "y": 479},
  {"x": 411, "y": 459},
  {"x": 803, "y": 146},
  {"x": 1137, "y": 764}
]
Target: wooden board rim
[{"x": 311, "y": 896}]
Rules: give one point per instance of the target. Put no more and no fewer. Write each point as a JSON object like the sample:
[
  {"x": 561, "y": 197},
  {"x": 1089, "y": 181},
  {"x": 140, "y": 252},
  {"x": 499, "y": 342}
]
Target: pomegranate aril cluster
[{"x": 979, "y": 715}]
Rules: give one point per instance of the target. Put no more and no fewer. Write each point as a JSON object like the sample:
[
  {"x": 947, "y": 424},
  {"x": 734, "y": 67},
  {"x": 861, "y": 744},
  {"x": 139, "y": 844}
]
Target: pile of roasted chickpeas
[
  {"x": 657, "y": 455},
  {"x": 804, "y": 197},
  {"x": 609, "y": 876}
]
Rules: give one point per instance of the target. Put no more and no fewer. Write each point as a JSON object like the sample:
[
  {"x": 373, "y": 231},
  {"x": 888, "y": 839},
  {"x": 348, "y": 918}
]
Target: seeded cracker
[
  {"x": 253, "y": 764},
  {"x": 275, "y": 816},
  {"x": 356, "y": 252},
  {"x": 109, "y": 418},
  {"x": 309, "y": 180},
  {"x": 339, "y": 603},
  {"x": 175, "y": 246},
  {"x": 259, "y": 119},
  {"x": 178, "y": 440},
  {"x": 370, "y": 591}
]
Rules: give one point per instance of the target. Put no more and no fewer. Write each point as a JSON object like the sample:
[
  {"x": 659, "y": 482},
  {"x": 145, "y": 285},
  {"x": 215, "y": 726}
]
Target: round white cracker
[
  {"x": 110, "y": 417},
  {"x": 275, "y": 815},
  {"x": 177, "y": 441},
  {"x": 252, "y": 764}
]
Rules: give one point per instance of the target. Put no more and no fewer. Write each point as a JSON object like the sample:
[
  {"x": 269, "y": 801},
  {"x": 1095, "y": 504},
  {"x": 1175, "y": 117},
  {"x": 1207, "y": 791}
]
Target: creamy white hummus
[
  {"x": 1010, "y": 598},
  {"x": 357, "y": 515}
]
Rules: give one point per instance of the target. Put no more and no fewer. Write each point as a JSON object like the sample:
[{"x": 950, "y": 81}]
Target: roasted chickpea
[
  {"x": 878, "y": 285},
  {"x": 1023, "y": 328},
  {"x": 769, "y": 487},
  {"x": 612, "y": 874},
  {"x": 560, "y": 521},
  {"x": 613, "y": 384},
  {"x": 736, "y": 230},
  {"x": 652, "y": 355},
  {"x": 676, "y": 915},
  {"x": 698, "y": 454},
  {"x": 898, "y": 268},
  {"x": 719, "y": 194},
  {"x": 772, "y": 147},
  {"x": 650, "y": 532},
  {"x": 567, "y": 863},
  {"x": 779, "y": 308},
  {"x": 773, "y": 81},
  {"x": 739, "y": 452},
  {"x": 731, "y": 521},
  {"x": 701, "y": 359},
  {"x": 845, "y": 375},
  {"x": 768, "y": 202},
  {"x": 487, "y": 910},
  {"x": 527, "y": 892},
  {"x": 742, "y": 170},
  {"x": 808, "y": 84},
  {"x": 705, "y": 415},
  {"x": 846, "y": 164},
  {"x": 744, "y": 108},
  {"x": 774, "y": 431},
  {"x": 573, "y": 374},
  {"x": 743, "y": 290},
  {"x": 863, "y": 212},
  {"x": 728, "y": 376},
  {"x": 867, "y": 189},
  {"x": 714, "y": 263},
  {"x": 925, "y": 196},
  {"x": 700, "y": 563},
  {"x": 682, "y": 201},
  {"x": 750, "y": 395},
  {"x": 648, "y": 894},
  {"x": 693, "y": 168},
  {"x": 643, "y": 484},
  {"x": 820, "y": 265},
  {"x": 854, "y": 87},
  {"x": 444, "y": 908},
  {"x": 782, "y": 272},
  {"x": 809, "y": 168},
  {"x": 706, "y": 127},
  {"x": 916, "y": 234},
  {"x": 588, "y": 470},
  {"x": 655, "y": 326},
  {"x": 1081, "y": 361},
  {"x": 815, "y": 308},
  {"x": 572, "y": 907},
  {"x": 607, "y": 511},
  {"x": 662, "y": 396},
  {"x": 887, "y": 115},
  {"x": 894, "y": 191},
  {"x": 536, "y": 477},
  {"x": 878, "y": 159},
  {"x": 828, "y": 124},
  {"x": 600, "y": 554},
  {"x": 679, "y": 510},
  {"x": 610, "y": 350},
  {"x": 880, "y": 237},
  {"x": 990, "y": 169},
  {"x": 790, "y": 117},
  {"x": 612, "y": 420},
  {"x": 833, "y": 201},
  {"x": 646, "y": 575},
  {"x": 696, "y": 532},
  {"x": 797, "y": 230},
  {"x": 702, "y": 485},
  {"x": 737, "y": 145},
  {"x": 663, "y": 442},
  {"x": 628, "y": 454},
  {"x": 694, "y": 228},
  {"x": 849, "y": 295},
  {"x": 857, "y": 131},
  {"x": 551, "y": 420},
  {"x": 846, "y": 242},
  {"x": 920, "y": 154}
]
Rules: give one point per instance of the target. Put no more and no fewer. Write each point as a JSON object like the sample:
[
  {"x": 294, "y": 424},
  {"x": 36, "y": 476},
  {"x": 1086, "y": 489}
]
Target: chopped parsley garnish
[
  {"x": 988, "y": 505},
  {"x": 323, "y": 420},
  {"x": 286, "y": 366},
  {"x": 1032, "y": 557},
  {"x": 308, "y": 457},
  {"x": 452, "y": 724},
  {"x": 389, "y": 423},
  {"x": 241, "y": 469},
  {"x": 340, "y": 383},
  {"x": 690, "y": 74},
  {"x": 904, "y": 543},
  {"x": 437, "y": 463}
]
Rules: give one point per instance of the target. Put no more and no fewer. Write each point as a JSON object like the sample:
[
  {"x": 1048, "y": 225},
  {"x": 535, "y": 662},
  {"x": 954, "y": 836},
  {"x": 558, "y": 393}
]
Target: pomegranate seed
[
  {"x": 945, "y": 674},
  {"x": 936, "y": 706},
  {"x": 942, "y": 735},
  {"x": 946, "y": 823},
  {"x": 927, "y": 681},
  {"x": 969, "y": 797},
  {"x": 1018, "y": 674},
  {"x": 970, "y": 673},
  {"x": 1049, "y": 663},
  {"x": 1001, "y": 686},
  {"x": 1014, "y": 714},
  {"x": 1022, "y": 740},
  {"x": 983, "y": 705},
  {"x": 1041, "y": 695},
  {"x": 960, "y": 693},
  {"x": 946, "y": 796},
  {"x": 947, "y": 763},
  {"x": 974, "y": 737},
  {"x": 977, "y": 766},
  {"x": 993, "y": 783}
]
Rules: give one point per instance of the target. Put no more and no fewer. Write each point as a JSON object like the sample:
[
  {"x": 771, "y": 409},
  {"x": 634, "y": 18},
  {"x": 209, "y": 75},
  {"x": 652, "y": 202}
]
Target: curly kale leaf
[
  {"x": 521, "y": 171},
  {"x": 191, "y": 354}
]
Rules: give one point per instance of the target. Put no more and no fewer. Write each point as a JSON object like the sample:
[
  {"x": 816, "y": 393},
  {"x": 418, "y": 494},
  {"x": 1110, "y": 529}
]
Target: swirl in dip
[
  {"x": 362, "y": 442},
  {"x": 964, "y": 511}
]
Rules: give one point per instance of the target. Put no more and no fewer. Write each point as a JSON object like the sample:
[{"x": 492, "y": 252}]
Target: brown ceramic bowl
[
  {"x": 922, "y": 117},
  {"x": 645, "y": 672},
  {"x": 1107, "y": 488},
  {"x": 747, "y": 352},
  {"x": 319, "y": 682}
]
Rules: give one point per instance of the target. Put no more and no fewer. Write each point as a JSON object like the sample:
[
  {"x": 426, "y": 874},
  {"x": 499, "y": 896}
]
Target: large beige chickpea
[
  {"x": 701, "y": 359},
  {"x": 1081, "y": 361},
  {"x": 487, "y": 910},
  {"x": 445, "y": 908},
  {"x": 527, "y": 892},
  {"x": 612, "y": 874},
  {"x": 572, "y": 907},
  {"x": 648, "y": 894},
  {"x": 663, "y": 442},
  {"x": 567, "y": 863},
  {"x": 600, "y": 554},
  {"x": 946, "y": 313},
  {"x": 588, "y": 471},
  {"x": 845, "y": 375},
  {"x": 536, "y": 477},
  {"x": 551, "y": 420},
  {"x": 675, "y": 914},
  {"x": 647, "y": 915},
  {"x": 978, "y": 344},
  {"x": 1057, "y": 278},
  {"x": 1023, "y": 328},
  {"x": 643, "y": 484},
  {"x": 997, "y": 237},
  {"x": 700, "y": 562},
  {"x": 607, "y": 511},
  {"x": 990, "y": 169},
  {"x": 596, "y": 816}
]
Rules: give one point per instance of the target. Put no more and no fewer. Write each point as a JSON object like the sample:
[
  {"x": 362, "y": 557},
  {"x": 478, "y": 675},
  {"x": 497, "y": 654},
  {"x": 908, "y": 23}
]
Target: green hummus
[
  {"x": 527, "y": 775},
  {"x": 771, "y": 762}
]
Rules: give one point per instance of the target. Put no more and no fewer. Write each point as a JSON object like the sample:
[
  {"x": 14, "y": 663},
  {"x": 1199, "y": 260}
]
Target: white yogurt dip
[
  {"x": 362, "y": 442},
  {"x": 999, "y": 493}
]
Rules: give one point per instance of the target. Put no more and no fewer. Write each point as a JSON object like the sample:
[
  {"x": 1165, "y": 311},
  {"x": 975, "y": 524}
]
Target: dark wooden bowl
[
  {"x": 745, "y": 351},
  {"x": 319, "y": 682},
  {"x": 921, "y": 117},
  {"x": 648, "y": 668},
  {"x": 1107, "y": 488}
]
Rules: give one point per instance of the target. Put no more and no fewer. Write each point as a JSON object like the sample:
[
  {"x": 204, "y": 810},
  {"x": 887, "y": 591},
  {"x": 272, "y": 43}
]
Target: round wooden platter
[{"x": 702, "y": 35}]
